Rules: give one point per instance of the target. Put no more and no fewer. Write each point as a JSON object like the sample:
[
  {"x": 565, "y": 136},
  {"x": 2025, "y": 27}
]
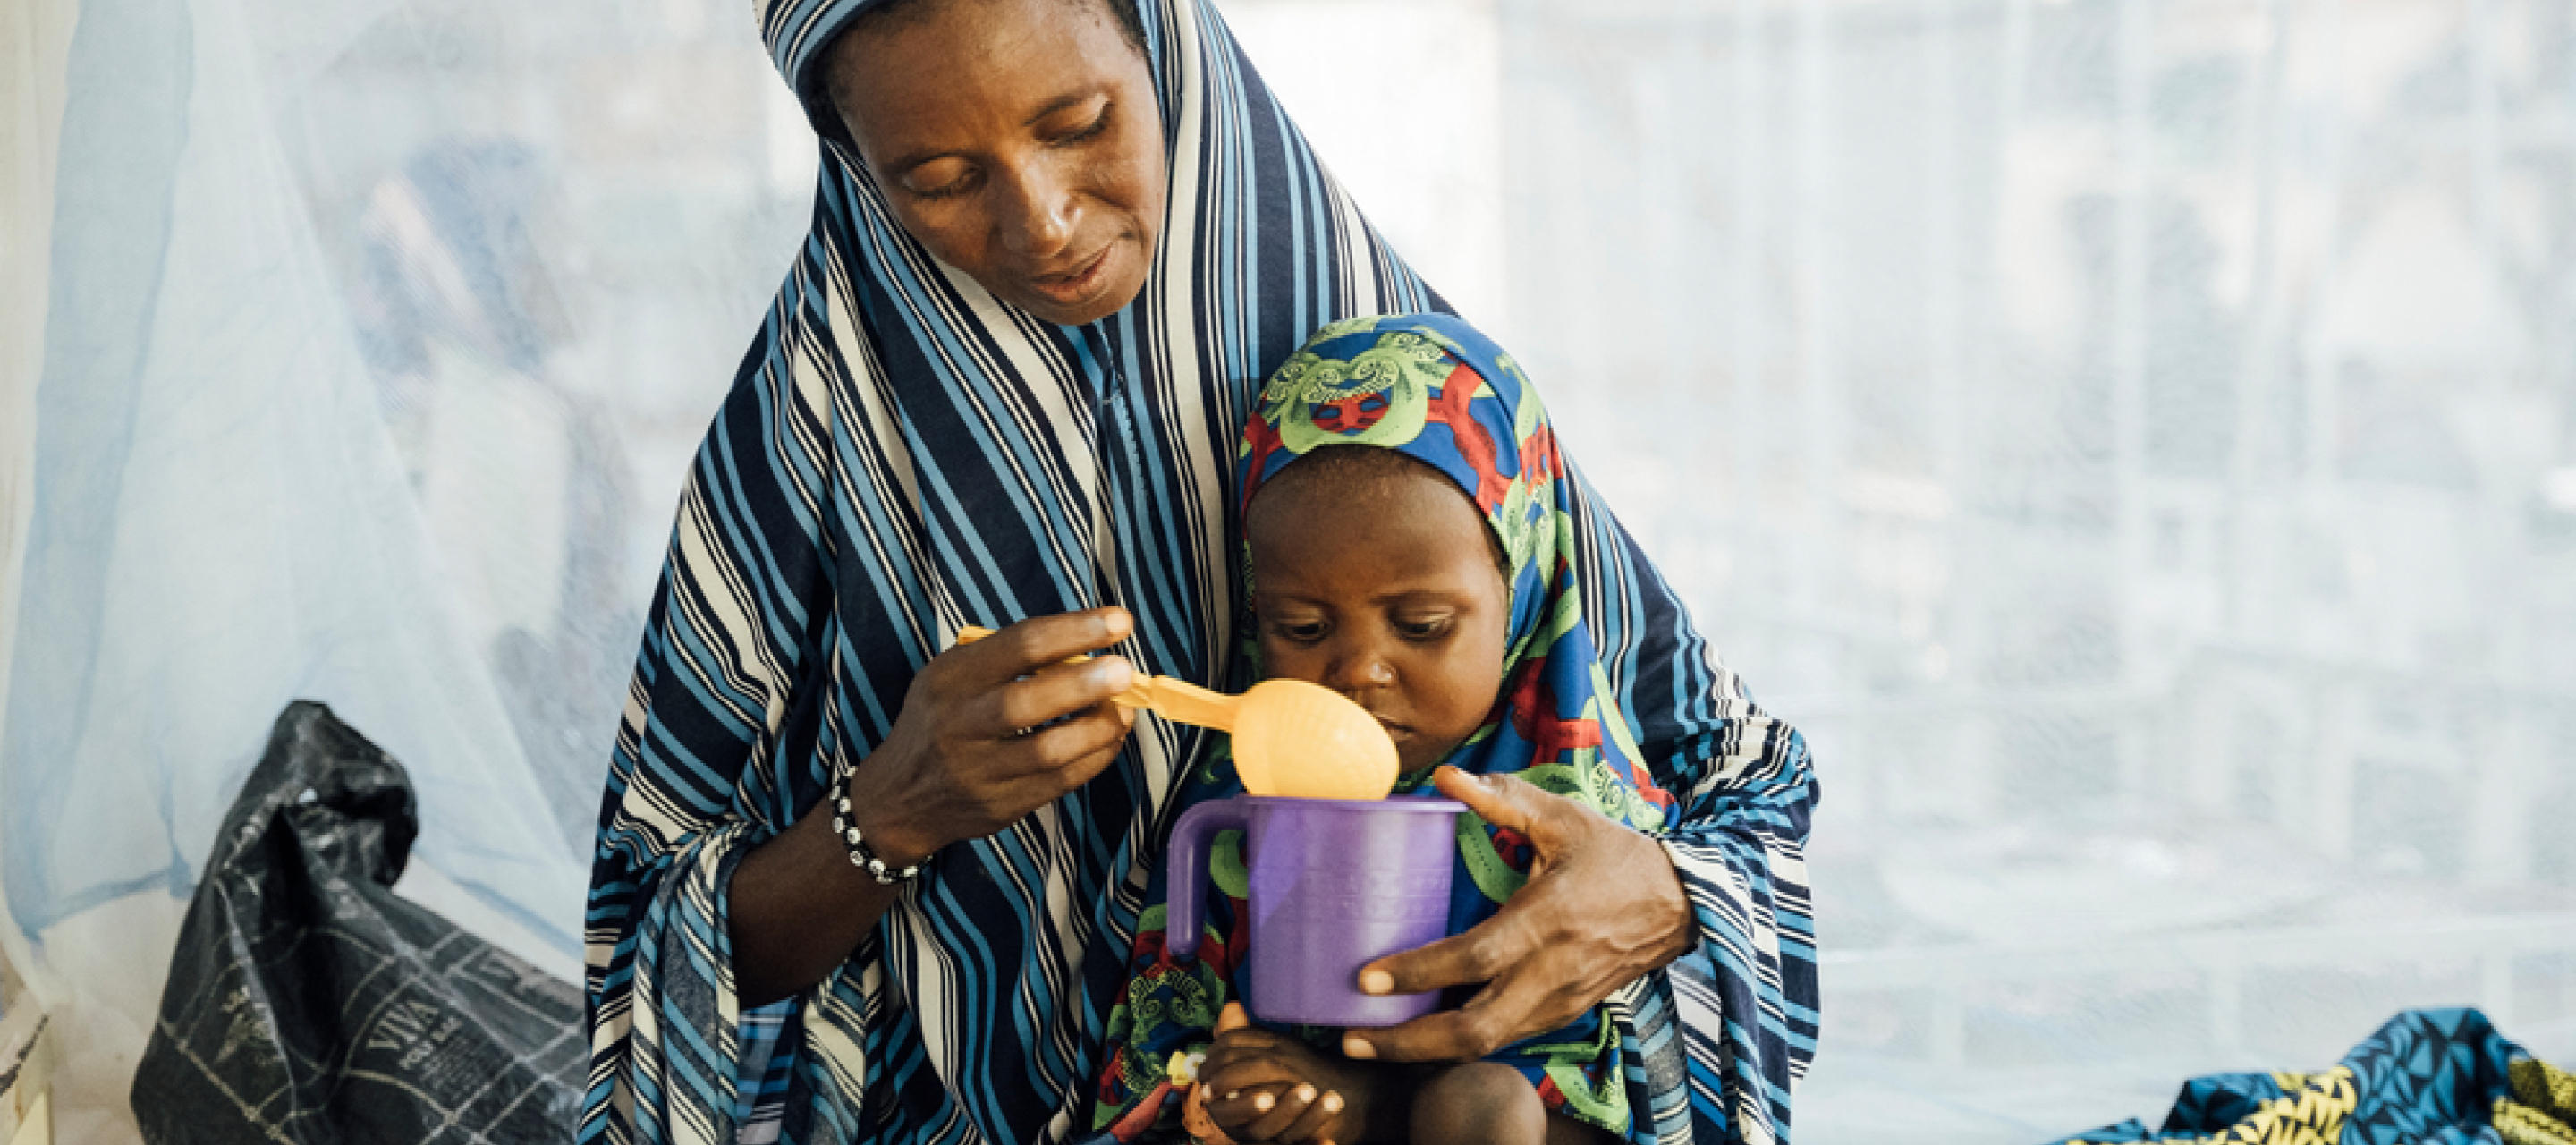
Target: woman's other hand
[
  {"x": 1602, "y": 908},
  {"x": 993, "y": 730}
]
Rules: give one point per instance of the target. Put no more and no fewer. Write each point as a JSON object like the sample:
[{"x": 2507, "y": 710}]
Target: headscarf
[
  {"x": 902, "y": 454},
  {"x": 1432, "y": 388}
]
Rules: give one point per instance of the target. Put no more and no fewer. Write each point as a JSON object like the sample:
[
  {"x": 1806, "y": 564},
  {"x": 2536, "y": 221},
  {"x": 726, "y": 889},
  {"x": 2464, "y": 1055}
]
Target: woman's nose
[{"x": 1040, "y": 214}]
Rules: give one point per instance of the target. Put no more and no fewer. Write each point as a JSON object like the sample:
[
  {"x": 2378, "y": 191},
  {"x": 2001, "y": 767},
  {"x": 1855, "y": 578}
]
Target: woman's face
[
  {"x": 1387, "y": 593},
  {"x": 1018, "y": 140}
]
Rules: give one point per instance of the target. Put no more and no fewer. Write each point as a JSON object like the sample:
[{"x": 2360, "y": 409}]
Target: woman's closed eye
[
  {"x": 1088, "y": 131},
  {"x": 940, "y": 178},
  {"x": 948, "y": 177}
]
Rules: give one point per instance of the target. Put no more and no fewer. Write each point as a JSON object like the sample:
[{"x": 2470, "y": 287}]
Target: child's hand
[{"x": 1263, "y": 1087}]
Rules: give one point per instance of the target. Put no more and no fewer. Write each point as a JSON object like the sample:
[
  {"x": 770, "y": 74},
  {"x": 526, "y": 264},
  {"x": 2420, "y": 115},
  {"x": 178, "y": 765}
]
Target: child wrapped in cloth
[{"x": 1414, "y": 541}]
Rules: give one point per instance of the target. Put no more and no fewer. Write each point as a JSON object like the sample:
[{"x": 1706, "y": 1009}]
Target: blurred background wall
[{"x": 2135, "y": 438}]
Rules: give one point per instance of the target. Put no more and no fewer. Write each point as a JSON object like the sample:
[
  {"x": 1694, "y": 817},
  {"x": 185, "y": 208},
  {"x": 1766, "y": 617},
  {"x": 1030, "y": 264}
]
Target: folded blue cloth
[{"x": 2428, "y": 1077}]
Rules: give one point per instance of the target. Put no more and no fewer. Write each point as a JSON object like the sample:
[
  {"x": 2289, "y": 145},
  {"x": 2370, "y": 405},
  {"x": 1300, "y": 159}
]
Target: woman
[{"x": 1056, "y": 246}]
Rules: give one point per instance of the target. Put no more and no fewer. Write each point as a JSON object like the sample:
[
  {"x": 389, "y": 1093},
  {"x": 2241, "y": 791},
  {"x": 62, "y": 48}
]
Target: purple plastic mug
[{"x": 1335, "y": 885}]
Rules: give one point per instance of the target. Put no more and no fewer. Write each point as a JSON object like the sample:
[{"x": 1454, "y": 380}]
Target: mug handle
[{"x": 1185, "y": 886}]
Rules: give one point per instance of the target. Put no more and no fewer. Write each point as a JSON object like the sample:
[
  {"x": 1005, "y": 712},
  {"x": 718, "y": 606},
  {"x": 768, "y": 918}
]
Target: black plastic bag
[{"x": 308, "y": 1003}]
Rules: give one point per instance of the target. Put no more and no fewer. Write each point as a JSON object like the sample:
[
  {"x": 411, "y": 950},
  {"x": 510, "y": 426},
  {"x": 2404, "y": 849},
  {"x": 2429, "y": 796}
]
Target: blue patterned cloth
[
  {"x": 2428, "y": 1077},
  {"x": 901, "y": 455}
]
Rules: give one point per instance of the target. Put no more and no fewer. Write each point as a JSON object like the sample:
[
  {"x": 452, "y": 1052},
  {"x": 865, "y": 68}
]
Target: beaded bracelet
[{"x": 860, "y": 855}]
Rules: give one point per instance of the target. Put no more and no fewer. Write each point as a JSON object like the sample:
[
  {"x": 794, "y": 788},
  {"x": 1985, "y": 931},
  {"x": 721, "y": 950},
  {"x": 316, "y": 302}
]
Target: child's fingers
[
  {"x": 1244, "y": 1071},
  {"x": 1219, "y": 1070},
  {"x": 1198, "y": 1123},
  {"x": 1251, "y": 1040},
  {"x": 1237, "y": 1113},
  {"x": 1250, "y": 1076},
  {"x": 1319, "y": 1116},
  {"x": 1286, "y": 1109},
  {"x": 1232, "y": 1017}
]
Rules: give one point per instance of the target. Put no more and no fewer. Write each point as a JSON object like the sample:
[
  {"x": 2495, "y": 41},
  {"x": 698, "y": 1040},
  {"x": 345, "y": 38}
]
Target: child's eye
[
  {"x": 1422, "y": 627},
  {"x": 1296, "y": 631}
]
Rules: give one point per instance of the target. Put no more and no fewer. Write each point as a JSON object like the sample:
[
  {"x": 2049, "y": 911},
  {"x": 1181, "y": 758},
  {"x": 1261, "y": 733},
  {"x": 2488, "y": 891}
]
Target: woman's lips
[{"x": 1076, "y": 285}]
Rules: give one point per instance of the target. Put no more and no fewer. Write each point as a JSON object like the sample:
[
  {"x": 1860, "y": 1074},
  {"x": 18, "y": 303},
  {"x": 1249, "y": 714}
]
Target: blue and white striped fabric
[{"x": 902, "y": 455}]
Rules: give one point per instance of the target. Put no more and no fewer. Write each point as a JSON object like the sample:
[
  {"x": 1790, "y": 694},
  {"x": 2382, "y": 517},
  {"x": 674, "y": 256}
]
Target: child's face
[{"x": 1385, "y": 591}]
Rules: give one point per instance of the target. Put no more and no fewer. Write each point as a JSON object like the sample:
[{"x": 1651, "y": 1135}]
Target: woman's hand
[
  {"x": 993, "y": 730},
  {"x": 955, "y": 766},
  {"x": 1602, "y": 908}
]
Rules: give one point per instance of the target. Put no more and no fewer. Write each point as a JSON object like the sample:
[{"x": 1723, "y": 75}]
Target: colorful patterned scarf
[{"x": 1431, "y": 388}]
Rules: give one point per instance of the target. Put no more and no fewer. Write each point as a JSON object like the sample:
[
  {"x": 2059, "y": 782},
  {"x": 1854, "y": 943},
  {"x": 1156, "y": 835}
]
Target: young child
[{"x": 1411, "y": 544}]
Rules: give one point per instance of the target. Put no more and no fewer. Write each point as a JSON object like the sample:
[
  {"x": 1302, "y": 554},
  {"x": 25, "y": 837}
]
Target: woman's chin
[
  {"x": 1119, "y": 283},
  {"x": 1074, "y": 316}
]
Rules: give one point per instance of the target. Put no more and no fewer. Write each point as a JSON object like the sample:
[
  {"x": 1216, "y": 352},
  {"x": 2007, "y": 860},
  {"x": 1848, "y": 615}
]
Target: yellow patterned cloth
[{"x": 2542, "y": 1110}]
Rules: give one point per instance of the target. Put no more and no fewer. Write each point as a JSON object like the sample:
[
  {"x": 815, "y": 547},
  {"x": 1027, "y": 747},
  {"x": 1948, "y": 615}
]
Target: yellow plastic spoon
[{"x": 1290, "y": 737}]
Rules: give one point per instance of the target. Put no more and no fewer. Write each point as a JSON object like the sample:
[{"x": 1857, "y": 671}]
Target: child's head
[
  {"x": 1374, "y": 575},
  {"x": 1414, "y": 541},
  {"x": 1417, "y": 542}
]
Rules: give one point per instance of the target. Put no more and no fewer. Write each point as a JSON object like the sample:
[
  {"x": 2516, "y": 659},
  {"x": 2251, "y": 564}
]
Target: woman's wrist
[
  {"x": 893, "y": 838},
  {"x": 863, "y": 855},
  {"x": 1684, "y": 932}
]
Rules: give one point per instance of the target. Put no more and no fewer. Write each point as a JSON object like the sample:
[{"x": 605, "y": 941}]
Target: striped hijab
[{"x": 903, "y": 454}]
